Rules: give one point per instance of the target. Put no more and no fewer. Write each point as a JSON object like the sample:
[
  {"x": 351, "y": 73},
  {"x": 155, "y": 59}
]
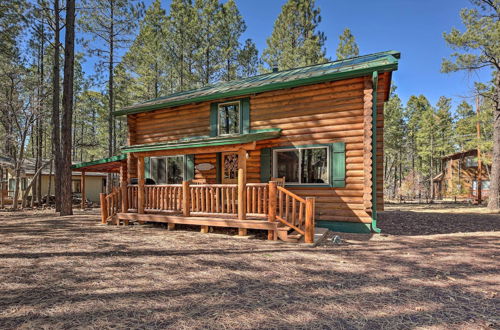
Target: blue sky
[{"x": 413, "y": 27}]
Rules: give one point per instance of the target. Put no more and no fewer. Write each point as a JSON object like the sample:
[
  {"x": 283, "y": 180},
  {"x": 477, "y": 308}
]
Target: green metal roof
[
  {"x": 206, "y": 141},
  {"x": 349, "y": 68},
  {"x": 100, "y": 161}
]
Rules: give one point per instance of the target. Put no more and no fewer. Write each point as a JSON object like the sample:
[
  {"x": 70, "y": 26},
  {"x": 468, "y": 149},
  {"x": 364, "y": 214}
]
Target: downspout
[{"x": 374, "y": 152}]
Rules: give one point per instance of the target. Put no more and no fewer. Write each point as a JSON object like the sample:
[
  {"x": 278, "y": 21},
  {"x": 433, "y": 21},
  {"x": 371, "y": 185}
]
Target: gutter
[{"x": 375, "y": 229}]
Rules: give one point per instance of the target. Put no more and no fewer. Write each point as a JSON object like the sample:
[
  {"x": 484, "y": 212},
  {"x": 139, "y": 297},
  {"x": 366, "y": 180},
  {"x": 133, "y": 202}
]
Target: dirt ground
[{"x": 431, "y": 269}]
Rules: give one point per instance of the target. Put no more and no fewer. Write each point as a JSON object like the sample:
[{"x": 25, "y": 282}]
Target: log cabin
[
  {"x": 463, "y": 177},
  {"x": 283, "y": 151}
]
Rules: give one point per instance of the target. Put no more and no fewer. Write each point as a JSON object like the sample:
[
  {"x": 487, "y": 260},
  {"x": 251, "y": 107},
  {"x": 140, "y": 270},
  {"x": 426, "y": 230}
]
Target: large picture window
[
  {"x": 302, "y": 165},
  {"x": 229, "y": 118},
  {"x": 167, "y": 170}
]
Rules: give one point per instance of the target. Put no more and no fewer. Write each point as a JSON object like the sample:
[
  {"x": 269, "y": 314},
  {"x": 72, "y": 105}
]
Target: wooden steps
[{"x": 285, "y": 235}]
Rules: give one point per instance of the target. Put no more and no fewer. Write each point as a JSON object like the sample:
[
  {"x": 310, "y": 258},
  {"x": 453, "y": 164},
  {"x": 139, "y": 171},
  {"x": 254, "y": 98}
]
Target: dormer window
[{"x": 229, "y": 118}]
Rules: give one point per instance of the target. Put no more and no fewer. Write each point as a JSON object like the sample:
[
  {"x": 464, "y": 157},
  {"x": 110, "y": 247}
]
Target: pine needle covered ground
[{"x": 72, "y": 272}]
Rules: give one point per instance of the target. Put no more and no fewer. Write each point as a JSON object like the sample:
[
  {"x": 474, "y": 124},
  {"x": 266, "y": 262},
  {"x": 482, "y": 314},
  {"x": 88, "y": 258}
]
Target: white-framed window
[
  {"x": 229, "y": 118},
  {"x": 303, "y": 165},
  {"x": 167, "y": 170}
]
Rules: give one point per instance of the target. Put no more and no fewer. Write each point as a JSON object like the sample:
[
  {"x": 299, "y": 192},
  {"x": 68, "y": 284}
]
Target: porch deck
[{"x": 262, "y": 206}]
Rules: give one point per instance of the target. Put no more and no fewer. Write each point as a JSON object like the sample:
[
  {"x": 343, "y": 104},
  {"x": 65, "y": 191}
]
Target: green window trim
[
  {"x": 265, "y": 164},
  {"x": 336, "y": 165},
  {"x": 189, "y": 167},
  {"x": 244, "y": 105}
]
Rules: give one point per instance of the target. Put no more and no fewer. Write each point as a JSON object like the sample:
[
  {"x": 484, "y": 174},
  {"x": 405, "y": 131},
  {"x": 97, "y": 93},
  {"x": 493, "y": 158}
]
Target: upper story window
[
  {"x": 302, "y": 165},
  {"x": 229, "y": 117},
  {"x": 470, "y": 161},
  {"x": 167, "y": 170}
]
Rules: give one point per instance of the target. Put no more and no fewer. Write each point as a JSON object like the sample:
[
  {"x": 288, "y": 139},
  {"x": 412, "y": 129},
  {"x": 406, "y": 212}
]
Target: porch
[
  {"x": 263, "y": 206},
  {"x": 235, "y": 203}
]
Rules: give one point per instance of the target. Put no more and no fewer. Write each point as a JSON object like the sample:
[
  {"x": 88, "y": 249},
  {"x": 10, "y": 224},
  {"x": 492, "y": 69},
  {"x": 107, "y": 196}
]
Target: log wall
[{"x": 315, "y": 114}]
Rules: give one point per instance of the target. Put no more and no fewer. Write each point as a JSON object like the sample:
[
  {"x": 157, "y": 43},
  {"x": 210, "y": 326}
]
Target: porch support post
[
  {"x": 104, "y": 208},
  {"x": 309, "y": 230},
  {"x": 271, "y": 213},
  {"x": 186, "y": 202},
  {"x": 82, "y": 189},
  {"x": 123, "y": 185},
  {"x": 140, "y": 184},
  {"x": 242, "y": 178}
]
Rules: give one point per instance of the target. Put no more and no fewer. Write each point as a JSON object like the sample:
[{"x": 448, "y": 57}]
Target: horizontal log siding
[
  {"x": 253, "y": 167},
  {"x": 315, "y": 114},
  {"x": 326, "y": 113},
  {"x": 173, "y": 123}
]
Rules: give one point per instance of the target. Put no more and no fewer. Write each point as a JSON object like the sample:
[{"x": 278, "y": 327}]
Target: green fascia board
[
  {"x": 345, "y": 227},
  {"x": 100, "y": 161},
  {"x": 207, "y": 141},
  {"x": 389, "y": 62}
]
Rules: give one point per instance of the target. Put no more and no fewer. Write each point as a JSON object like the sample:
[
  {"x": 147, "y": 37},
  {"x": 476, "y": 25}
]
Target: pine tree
[
  {"x": 208, "y": 39},
  {"x": 479, "y": 45},
  {"x": 12, "y": 21},
  {"x": 232, "y": 26},
  {"x": 182, "y": 45},
  {"x": 248, "y": 60},
  {"x": 465, "y": 126},
  {"x": 347, "y": 47},
  {"x": 295, "y": 40},
  {"x": 415, "y": 108},
  {"x": 56, "y": 95},
  {"x": 110, "y": 24},
  {"x": 444, "y": 122},
  {"x": 67, "y": 102},
  {"x": 148, "y": 58},
  {"x": 394, "y": 143}
]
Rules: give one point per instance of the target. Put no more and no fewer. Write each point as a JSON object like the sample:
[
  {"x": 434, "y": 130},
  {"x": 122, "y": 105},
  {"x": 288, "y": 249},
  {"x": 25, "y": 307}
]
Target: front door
[{"x": 229, "y": 167}]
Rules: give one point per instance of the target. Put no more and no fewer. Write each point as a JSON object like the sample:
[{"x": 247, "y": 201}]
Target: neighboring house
[
  {"x": 94, "y": 182},
  {"x": 460, "y": 175},
  {"x": 213, "y": 151}
]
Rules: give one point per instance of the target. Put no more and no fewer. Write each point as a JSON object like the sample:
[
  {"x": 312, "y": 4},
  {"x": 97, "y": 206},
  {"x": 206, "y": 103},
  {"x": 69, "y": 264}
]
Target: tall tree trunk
[
  {"x": 66, "y": 136},
  {"x": 49, "y": 188},
  {"x": 493, "y": 203},
  {"x": 432, "y": 168},
  {"x": 111, "y": 126},
  {"x": 56, "y": 138}
]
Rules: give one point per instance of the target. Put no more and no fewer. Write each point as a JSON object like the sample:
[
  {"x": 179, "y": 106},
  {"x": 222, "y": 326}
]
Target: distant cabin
[
  {"x": 460, "y": 177},
  {"x": 94, "y": 181},
  {"x": 310, "y": 130}
]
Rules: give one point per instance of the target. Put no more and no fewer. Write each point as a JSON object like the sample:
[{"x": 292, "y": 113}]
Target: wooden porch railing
[
  {"x": 132, "y": 196},
  {"x": 296, "y": 212},
  {"x": 269, "y": 199},
  {"x": 214, "y": 198},
  {"x": 163, "y": 197},
  {"x": 257, "y": 198},
  {"x": 110, "y": 204}
]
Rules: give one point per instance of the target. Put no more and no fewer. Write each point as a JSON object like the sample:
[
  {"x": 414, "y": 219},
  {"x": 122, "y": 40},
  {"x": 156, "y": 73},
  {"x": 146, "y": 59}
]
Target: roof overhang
[
  {"x": 205, "y": 143},
  {"x": 105, "y": 165},
  {"x": 382, "y": 62}
]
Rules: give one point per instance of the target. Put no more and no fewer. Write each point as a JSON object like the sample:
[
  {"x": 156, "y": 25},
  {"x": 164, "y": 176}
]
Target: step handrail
[{"x": 292, "y": 210}]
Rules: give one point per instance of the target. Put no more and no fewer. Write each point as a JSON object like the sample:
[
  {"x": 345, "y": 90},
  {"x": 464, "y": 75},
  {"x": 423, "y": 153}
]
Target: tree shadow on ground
[
  {"x": 142, "y": 277},
  {"x": 431, "y": 223}
]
